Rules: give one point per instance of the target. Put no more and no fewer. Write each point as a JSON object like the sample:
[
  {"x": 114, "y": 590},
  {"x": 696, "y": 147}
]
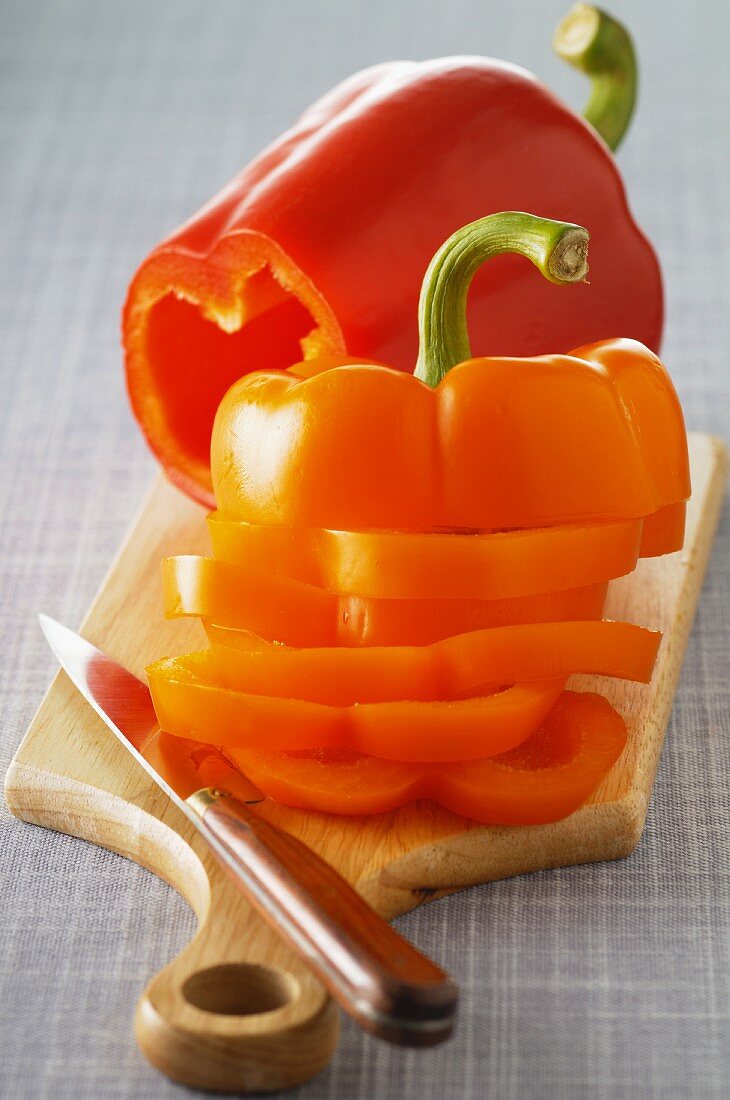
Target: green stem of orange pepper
[
  {"x": 591, "y": 41},
  {"x": 557, "y": 249}
]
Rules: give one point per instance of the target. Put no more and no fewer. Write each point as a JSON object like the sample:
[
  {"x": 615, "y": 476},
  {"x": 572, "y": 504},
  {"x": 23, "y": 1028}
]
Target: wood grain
[{"x": 236, "y": 1010}]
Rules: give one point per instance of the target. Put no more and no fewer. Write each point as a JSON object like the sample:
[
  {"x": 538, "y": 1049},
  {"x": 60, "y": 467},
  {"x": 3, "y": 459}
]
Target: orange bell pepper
[
  {"x": 413, "y": 565},
  {"x": 299, "y": 614},
  {"x": 355, "y": 699},
  {"x": 496, "y": 444},
  {"x": 459, "y": 666},
  {"x": 546, "y": 778},
  {"x": 594, "y": 436},
  {"x": 369, "y": 517}
]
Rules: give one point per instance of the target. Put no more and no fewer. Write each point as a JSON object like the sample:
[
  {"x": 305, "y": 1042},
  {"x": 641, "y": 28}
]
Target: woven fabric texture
[{"x": 116, "y": 122}]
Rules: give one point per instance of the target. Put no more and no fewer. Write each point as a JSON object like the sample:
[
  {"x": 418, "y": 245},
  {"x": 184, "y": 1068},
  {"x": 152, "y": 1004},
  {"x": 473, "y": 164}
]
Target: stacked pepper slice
[{"x": 407, "y": 569}]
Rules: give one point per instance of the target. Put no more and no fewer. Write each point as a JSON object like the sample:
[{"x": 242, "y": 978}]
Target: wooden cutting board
[{"x": 236, "y": 1010}]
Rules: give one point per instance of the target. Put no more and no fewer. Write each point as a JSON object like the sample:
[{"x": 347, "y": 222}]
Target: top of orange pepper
[{"x": 489, "y": 442}]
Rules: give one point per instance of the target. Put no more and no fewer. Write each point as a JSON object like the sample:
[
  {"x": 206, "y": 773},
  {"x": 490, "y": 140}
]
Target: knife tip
[{"x": 50, "y": 627}]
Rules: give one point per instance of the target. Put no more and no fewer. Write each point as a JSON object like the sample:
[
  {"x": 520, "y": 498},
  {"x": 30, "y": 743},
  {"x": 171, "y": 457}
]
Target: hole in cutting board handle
[{"x": 240, "y": 989}]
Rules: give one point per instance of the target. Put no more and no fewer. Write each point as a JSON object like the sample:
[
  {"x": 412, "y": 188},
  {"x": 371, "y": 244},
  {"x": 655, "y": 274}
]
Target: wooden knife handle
[{"x": 389, "y": 987}]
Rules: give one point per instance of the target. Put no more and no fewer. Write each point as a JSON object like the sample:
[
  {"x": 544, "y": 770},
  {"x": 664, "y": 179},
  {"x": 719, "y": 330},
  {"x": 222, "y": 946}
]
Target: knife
[{"x": 390, "y": 988}]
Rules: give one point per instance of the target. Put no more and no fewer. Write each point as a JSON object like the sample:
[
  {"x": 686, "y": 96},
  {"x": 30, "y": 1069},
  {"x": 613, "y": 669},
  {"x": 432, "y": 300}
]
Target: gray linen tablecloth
[{"x": 116, "y": 122}]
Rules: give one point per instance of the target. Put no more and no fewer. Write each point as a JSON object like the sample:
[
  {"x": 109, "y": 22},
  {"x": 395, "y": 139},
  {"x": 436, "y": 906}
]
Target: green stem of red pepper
[
  {"x": 591, "y": 41},
  {"x": 557, "y": 249}
]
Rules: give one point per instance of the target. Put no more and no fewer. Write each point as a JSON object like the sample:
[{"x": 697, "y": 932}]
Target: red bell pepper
[{"x": 320, "y": 244}]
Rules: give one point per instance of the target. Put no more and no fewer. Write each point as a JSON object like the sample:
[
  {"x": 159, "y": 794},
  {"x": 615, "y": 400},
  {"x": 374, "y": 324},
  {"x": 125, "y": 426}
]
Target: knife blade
[{"x": 381, "y": 980}]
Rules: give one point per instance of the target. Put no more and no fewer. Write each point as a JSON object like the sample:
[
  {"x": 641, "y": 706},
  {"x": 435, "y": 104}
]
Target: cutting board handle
[
  {"x": 218, "y": 1018},
  {"x": 378, "y": 977},
  {"x": 237, "y": 1010}
]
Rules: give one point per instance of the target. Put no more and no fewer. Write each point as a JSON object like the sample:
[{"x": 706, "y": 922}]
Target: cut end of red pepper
[{"x": 193, "y": 325}]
